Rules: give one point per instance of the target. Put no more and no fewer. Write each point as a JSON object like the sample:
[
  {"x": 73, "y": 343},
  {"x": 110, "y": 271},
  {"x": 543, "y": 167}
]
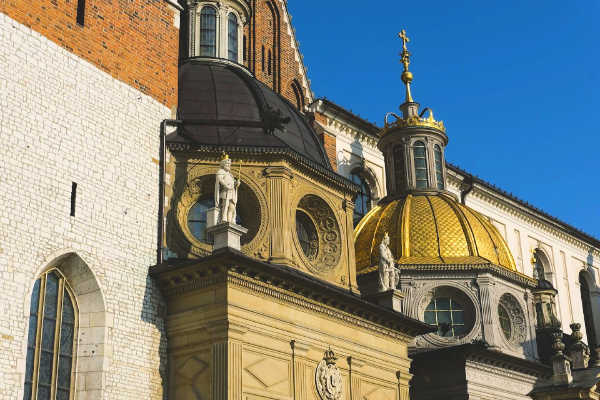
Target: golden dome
[{"x": 430, "y": 229}]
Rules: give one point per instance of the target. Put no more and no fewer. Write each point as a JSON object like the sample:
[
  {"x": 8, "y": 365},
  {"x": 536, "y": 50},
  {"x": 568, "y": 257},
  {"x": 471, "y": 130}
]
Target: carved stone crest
[{"x": 328, "y": 378}]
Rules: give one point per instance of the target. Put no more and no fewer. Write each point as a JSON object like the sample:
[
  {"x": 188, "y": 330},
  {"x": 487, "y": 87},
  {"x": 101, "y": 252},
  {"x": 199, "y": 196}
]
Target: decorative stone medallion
[
  {"x": 328, "y": 250},
  {"x": 328, "y": 378},
  {"x": 516, "y": 318}
]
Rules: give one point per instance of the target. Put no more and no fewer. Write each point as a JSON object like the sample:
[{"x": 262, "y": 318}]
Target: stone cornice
[
  {"x": 287, "y": 285},
  {"x": 529, "y": 215},
  {"x": 449, "y": 269},
  {"x": 479, "y": 353},
  {"x": 347, "y": 122},
  {"x": 323, "y": 175}
]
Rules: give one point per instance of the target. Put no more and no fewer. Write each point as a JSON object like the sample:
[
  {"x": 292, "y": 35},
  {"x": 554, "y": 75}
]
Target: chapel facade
[{"x": 123, "y": 280}]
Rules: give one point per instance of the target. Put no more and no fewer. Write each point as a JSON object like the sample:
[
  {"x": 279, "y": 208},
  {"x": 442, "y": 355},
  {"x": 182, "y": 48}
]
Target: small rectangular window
[
  {"x": 73, "y": 197},
  {"x": 263, "y": 59},
  {"x": 81, "y": 12}
]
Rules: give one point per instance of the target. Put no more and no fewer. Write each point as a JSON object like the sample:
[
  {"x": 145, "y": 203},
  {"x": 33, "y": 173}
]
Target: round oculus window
[
  {"x": 197, "y": 218},
  {"x": 504, "y": 321},
  {"x": 307, "y": 235},
  {"x": 448, "y": 315}
]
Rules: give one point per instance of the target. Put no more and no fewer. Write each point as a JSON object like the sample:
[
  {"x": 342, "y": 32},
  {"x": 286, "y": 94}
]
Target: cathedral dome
[
  {"x": 432, "y": 229},
  {"x": 222, "y": 104}
]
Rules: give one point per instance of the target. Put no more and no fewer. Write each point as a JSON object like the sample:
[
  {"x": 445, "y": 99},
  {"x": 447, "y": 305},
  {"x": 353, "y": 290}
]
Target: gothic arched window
[
  {"x": 439, "y": 172},
  {"x": 208, "y": 32},
  {"x": 420, "y": 156},
  {"x": 586, "y": 303},
  {"x": 49, "y": 371},
  {"x": 362, "y": 203},
  {"x": 232, "y": 37}
]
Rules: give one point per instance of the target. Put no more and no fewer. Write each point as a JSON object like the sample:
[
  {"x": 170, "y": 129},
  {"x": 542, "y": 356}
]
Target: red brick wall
[
  {"x": 135, "y": 41},
  {"x": 268, "y": 28},
  {"x": 328, "y": 140}
]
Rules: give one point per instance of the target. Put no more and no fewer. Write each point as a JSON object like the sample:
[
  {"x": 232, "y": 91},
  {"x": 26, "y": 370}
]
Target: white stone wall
[
  {"x": 524, "y": 233},
  {"x": 62, "y": 120}
]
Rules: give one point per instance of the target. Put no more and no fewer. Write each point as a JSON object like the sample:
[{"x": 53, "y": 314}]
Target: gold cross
[{"x": 404, "y": 38}]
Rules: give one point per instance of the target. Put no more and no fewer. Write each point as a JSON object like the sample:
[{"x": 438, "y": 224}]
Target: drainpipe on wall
[
  {"x": 161, "y": 185},
  {"x": 465, "y": 188}
]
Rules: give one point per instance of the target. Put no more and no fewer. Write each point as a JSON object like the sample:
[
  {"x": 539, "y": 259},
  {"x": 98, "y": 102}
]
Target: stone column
[
  {"x": 485, "y": 284},
  {"x": 278, "y": 189}
]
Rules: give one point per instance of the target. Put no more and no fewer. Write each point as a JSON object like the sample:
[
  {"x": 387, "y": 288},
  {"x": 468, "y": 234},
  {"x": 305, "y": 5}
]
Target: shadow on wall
[
  {"x": 154, "y": 313},
  {"x": 348, "y": 162}
]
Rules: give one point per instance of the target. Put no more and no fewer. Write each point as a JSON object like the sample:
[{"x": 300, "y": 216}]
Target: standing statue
[
  {"x": 226, "y": 192},
  {"x": 389, "y": 276}
]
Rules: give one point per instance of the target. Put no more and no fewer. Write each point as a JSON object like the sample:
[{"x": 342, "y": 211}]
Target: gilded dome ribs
[
  {"x": 437, "y": 232},
  {"x": 405, "y": 226},
  {"x": 430, "y": 229},
  {"x": 466, "y": 227}
]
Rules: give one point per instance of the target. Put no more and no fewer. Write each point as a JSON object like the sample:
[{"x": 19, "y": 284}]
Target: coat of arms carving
[{"x": 328, "y": 378}]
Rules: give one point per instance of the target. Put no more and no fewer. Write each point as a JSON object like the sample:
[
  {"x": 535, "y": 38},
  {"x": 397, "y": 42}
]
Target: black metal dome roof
[{"x": 222, "y": 104}]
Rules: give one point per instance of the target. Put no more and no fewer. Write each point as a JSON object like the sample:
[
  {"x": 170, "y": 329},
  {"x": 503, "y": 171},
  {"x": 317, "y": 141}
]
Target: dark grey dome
[{"x": 222, "y": 104}]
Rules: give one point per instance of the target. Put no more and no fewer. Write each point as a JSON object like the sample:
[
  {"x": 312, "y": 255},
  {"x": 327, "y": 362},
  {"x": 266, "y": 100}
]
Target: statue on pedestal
[
  {"x": 389, "y": 276},
  {"x": 226, "y": 192}
]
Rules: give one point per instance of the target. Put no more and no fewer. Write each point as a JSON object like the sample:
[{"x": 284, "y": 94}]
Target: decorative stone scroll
[{"x": 328, "y": 378}]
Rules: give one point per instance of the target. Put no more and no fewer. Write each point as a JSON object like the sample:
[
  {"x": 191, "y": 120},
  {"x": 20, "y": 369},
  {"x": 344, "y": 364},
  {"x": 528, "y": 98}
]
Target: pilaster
[
  {"x": 349, "y": 207},
  {"x": 278, "y": 189},
  {"x": 302, "y": 371},
  {"x": 486, "y": 290},
  {"x": 226, "y": 360}
]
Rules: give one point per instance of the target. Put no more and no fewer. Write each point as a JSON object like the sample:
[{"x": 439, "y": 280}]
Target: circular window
[
  {"x": 307, "y": 235},
  {"x": 196, "y": 198},
  {"x": 504, "y": 321},
  {"x": 511, "y": 319},
  {"x": 318, "y": 234},
  {"x": 449, "y": 316},
  {"x": 450, "y": 310},
  {"x": 197, "y": 218}
]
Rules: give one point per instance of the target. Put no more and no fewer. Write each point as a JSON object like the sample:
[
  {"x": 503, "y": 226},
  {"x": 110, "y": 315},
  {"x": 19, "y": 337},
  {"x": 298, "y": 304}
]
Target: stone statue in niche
[
  {"x": 389, "y": 276},
  {"x": 226, "y": 192}
]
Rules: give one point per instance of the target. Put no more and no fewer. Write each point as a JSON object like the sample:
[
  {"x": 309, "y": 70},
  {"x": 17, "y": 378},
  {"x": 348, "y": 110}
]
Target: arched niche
[
  {"x": 590, "y": 299},
  {"x": 92, "y": 352}
]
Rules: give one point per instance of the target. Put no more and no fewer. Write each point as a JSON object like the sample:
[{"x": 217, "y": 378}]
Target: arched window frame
[
  {"x": 200, "y": 27},
  {"x": 585, "y": 291},
  {"x": 36, "y": 337},
  {"x": 421, "y": 180},
  {"x": 364, "y": 198},
  {"x": 298, "y": 94},
  {"x": 233, "y": 38},
  {"x": 438, "y": 157},
  {"x": 541, "y": 262}
]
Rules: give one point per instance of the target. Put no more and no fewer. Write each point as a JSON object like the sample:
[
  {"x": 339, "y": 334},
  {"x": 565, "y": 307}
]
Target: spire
[{"x": 407, "y": 76}]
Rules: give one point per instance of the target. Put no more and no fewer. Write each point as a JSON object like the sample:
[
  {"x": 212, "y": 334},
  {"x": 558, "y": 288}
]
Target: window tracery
[
  {"x": 439, "y": 171},
  {"x": 232, "y": 37},
  {"x": 420, "y": 158},
  {"x": 362, "y": 202},
  {"x": 208, "y": 31},
  {"x": 49, "y": 371}
]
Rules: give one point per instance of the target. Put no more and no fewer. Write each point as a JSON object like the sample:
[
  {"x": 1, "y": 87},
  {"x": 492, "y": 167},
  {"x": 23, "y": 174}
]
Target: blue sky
[{"x": 516, "y": 82}]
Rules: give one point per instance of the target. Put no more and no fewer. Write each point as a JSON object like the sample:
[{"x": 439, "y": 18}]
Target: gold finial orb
[{"x": 407, "y": 77}]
